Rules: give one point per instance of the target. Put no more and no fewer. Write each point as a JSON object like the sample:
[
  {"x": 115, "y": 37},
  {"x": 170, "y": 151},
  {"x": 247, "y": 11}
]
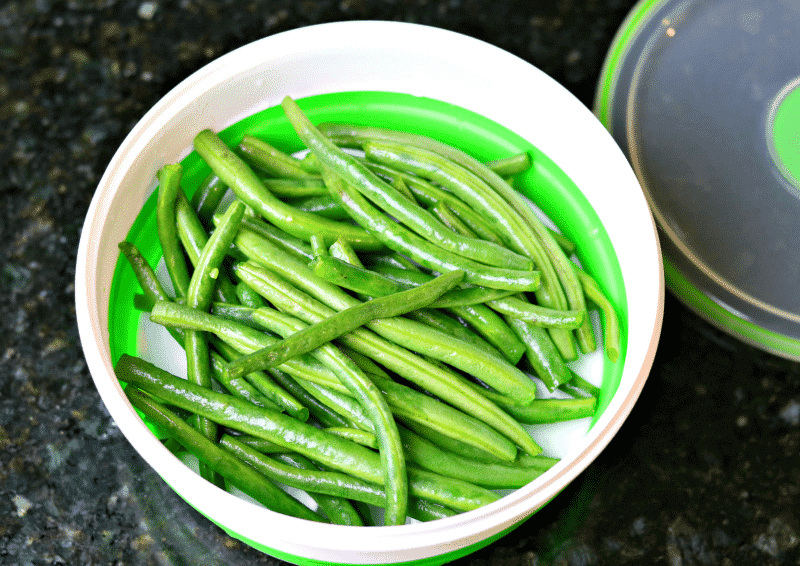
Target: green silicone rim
[{"x": 545, "y": 184}]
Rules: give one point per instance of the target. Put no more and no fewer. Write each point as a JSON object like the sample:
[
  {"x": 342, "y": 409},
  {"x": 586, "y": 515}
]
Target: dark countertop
[{"x": 703, "y": 472}]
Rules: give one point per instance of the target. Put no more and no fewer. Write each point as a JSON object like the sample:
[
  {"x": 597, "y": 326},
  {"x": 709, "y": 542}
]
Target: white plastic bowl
[{"x": 399, "y": 58}]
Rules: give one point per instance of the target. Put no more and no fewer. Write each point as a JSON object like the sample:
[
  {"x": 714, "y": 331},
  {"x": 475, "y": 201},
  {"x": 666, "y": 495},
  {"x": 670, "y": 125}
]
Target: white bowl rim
[{"x": 597, "y": 151}]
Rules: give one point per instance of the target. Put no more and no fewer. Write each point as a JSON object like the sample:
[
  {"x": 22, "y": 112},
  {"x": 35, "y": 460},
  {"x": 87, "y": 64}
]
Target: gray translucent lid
[{"x": 701, "y": 97}]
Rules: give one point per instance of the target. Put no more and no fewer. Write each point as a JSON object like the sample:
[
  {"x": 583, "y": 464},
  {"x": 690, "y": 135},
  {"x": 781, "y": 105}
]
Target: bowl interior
[
  {"x": 477, "y": 97},
  {"x": 546, "y": 184}
]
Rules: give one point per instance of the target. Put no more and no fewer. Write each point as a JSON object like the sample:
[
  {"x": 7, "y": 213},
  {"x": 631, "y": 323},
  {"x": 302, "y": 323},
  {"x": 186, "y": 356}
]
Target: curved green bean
[
  {"x": 231, "y": 468},
  {"x": 250, "y": 190},
  {"x": 611, "y": 336},
  {"x": 198, "y": 296},
  {"x": 271, "y": 160},
  {"x": 338, "y": 509},
  {"x": 538, "y": 315},
  {"x": 283, "y": 470},
  {"x": 194, "y": 237},
  {"x": 508, "y": 166},
  {"x": 420, "y": 250},
  {"x": 541, "y": 353},
  {"x": 462, "y": 297},
  {"x": 388, "y": 198},
  {"x": 169, "y": 186},
  {"x": 207, "y": 197}
]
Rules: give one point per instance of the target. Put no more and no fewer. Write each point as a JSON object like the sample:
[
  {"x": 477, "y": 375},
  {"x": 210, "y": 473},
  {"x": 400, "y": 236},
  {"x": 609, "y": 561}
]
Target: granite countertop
[{"x": 704, "y": 471}]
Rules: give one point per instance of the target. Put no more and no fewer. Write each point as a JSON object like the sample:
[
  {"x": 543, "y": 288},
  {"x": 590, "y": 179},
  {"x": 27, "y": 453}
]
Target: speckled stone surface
[{"x": 705, "y": 470}]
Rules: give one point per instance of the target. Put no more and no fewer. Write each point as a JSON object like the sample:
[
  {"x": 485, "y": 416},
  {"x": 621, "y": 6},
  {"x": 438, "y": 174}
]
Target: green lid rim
[
  {"x": 619, "y": 45},
  {"x": 748, "y": 332}
]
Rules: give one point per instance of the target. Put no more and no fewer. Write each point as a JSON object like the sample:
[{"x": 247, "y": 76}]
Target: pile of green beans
[{"x": 373, "y": 329}]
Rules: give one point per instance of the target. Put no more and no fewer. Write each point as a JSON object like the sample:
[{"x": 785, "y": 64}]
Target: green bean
[
  {"x": 366, "y": 364},
  {"x": 579, "y": 382},
  {"x": 241, "y": 338},
  {"x": 193, "y": 236},
  {"x": 339, "y": 403},
  {"x": 483, "y": 190},
  {"x": 455, "y": 298},
  {"x": 543, "y": 411},
  {"x": 397, "y": 359},
  {"x": 270, "y": 159},
  {"x": 321, "y": 412},
  {"x": 538, "y": 315},
  {"x": 207, "y": 197},
  {"x": 495, "y": 476},
  {"x": 513, "y": 165},
  {"x": 248, "y": 297},
  {"x": 391, "y": 260},
  {"x": 318, "y": 247},
  {"x": 154, "y": 291},
  {"x": 502, "y": 375},
  {"x": 231, "y": 468},
  {"x": 369, "y": 398},
  {"x": 541, "y": 353},
  {"x": 447, "y": 324},
  {"x": 388, "y": 198},
  {"x": 453, "y": 445},
  {"x": 295, "y": 188},
  {"x": 427, "y": 511},
  {"x": 338, "y": 509},
  {"x": 493, "y": 329},
  {"x": 445, "y": 215},
  {"x": 567, "y": 245},
  {"x": 376, "y": 410},
  {"x": 421, "y": 251},
  {"x": 357, "y": 435},
  {"x": 428, "y": 195},
  {"x": 611, "y": 336},
  {"x": 326, "y": 449},
  {"x": 170, "y": 185},
  {"x": 143, "y": 272},
  {"x": 264, "y": 384},
  {"x": 239, "y": 387},
  {"x": 340, "y": 249},
  {"x": 408, "y": 404},
  {"x": 325, "y": 206},
  {"x": 403, "y": 189},
  {"x": 283, "y": 469},
  {"x": 296, "y": 246},
  {"x": 263, "y": 446},
  {"x": 343, "y": 322},
  {"x": 357, "y": 279},
  {"x": 409, "y": 334},
  {"x": 198, "y": 296},
  {"x": 433, "y": 493},
  {"x": 247, "y": 186},
  {"x": 239, "y": 312}
]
